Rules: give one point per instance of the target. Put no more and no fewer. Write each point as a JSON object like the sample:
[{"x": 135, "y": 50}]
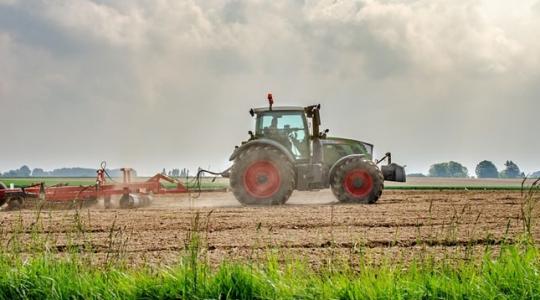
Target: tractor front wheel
[
  {"x": 262, "y": 175},
  {"x": 357, "y": 180}
]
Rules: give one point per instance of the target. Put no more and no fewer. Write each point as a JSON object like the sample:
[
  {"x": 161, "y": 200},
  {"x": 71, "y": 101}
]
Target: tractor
[{"x": 282, "y": 155}]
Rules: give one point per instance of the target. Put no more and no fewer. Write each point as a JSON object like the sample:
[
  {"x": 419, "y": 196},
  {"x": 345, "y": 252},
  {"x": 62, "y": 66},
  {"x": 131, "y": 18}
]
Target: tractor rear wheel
[
  {"x": 262, "y": 175},
  {"x": 357, "y": 180}
]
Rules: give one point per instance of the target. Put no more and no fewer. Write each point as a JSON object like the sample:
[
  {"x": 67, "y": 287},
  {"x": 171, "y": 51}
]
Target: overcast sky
[{"x": 168, "y": 83}]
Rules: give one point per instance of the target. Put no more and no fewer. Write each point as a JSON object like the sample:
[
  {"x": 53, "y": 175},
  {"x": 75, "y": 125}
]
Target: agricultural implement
[
  {"x": 131, "y": 193},
  {"x": 282, "y": 156}
]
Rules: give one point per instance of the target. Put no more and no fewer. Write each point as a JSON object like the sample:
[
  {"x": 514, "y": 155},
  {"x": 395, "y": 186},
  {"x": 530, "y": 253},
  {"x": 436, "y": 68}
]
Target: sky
[{"x": 155, "y": 84}]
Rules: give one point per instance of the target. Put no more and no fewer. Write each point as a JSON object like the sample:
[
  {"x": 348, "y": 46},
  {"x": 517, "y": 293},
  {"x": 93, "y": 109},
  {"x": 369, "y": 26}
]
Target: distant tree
[
  {"x": 439, "y": 170},
  {"x": 511, "y": 170},
  {"x": 73, "y": 172},
  {"x": 457, "y": 170},
  {"x": 486, "y": 169},
  {"x": 23, "y": 171},
  {"x": 184, "y": 173},
  {"x": 448, "y": 169},
  {"x": 416, "y": 175},
  {"x": 535, "y": 174},
  {"x": 38, "y": 172}
]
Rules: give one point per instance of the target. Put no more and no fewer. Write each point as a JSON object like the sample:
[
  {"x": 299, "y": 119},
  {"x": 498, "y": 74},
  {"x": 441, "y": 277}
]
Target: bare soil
[{"x": 312, "y": 226}]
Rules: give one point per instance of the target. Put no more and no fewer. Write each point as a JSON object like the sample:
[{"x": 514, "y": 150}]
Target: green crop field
[
  {"x": 84, "y": 181},
  {"x": 414, "y": 183}
]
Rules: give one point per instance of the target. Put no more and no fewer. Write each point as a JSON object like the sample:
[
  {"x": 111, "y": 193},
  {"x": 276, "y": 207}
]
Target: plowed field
[{"x": 312, "y": 226}]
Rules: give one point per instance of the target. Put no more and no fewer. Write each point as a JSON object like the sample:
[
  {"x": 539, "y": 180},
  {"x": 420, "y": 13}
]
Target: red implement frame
[{"x": 102, "y": 188}]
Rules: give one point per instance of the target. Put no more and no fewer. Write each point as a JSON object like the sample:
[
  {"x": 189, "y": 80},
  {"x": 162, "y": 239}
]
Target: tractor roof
[{"x": 278, "y": 108}]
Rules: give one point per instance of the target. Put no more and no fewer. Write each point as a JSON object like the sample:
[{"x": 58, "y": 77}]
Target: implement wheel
[
  {"x": 262, "y": 175},
  {"x": 3, "y": 198},
  {"x": 15, "y": 203},
  {"x": 357, "y": 180}
]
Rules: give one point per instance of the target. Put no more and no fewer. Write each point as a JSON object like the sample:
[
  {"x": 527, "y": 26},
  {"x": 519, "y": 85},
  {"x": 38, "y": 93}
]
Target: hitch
[{"x": 388, "y": 156}]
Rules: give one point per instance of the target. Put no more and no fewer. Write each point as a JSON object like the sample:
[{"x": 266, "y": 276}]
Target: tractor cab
[{"x": 287, "y": 126}]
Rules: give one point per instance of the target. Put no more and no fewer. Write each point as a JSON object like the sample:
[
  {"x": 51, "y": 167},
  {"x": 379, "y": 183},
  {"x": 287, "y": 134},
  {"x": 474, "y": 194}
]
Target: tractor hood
[{"x": 363, "y": 147}]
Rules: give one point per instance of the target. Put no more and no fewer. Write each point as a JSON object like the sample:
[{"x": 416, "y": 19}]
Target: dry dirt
[{"x": 311, "y": 226}]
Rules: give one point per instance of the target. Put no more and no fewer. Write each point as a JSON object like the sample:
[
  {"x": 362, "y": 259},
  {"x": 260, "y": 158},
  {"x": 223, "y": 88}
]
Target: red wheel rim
[
  {"x": 261, "y": 179},
  {"x": 358, "y": 183}
]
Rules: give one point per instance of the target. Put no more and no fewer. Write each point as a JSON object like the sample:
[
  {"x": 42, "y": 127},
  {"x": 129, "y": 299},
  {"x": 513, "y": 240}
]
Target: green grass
[
  {"x": 19, "y": 182},
  {"x": 514, "y": 274}
]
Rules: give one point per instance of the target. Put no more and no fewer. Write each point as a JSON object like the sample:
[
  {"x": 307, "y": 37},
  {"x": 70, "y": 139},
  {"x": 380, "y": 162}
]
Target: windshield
[{"x": 287, "y": 128}]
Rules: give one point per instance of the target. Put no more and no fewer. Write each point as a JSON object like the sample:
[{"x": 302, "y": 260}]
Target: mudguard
[
  {"x": 391, "y": 172},
  {"x": 341, "y": 161},
  {"x": 262, "y": 142}
]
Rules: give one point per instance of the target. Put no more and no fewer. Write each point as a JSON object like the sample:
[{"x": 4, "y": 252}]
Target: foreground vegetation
[{"x": 515, "y": 274}]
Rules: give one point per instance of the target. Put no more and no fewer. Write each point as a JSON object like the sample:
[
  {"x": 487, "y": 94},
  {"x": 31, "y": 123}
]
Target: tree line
[
  {"x": 25, "y": 171},
  {"x": 484, "y": 169}
]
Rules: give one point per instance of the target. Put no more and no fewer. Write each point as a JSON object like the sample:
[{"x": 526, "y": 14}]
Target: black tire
[
  {"x": 125, "y": 202},
  {"x": 357, "y": 180},
  {"x": 15, "y": 203},
  {"x": 107, "y": 202},
  {"x": 262, "y": 175}
]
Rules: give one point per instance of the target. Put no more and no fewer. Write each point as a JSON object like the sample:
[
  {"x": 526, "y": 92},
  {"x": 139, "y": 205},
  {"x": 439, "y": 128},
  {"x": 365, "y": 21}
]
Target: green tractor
[{"x": 282, "y": 155}]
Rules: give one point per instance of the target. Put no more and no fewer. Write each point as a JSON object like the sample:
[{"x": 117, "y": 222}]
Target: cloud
[
  {"x": 128, "y": 79},
  {"x": 536, "y": 7},
  {"x": 427, "y": 36}
]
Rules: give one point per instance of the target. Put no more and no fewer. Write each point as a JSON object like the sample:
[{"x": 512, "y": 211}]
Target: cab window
[{"x": 289, "y": 129}]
